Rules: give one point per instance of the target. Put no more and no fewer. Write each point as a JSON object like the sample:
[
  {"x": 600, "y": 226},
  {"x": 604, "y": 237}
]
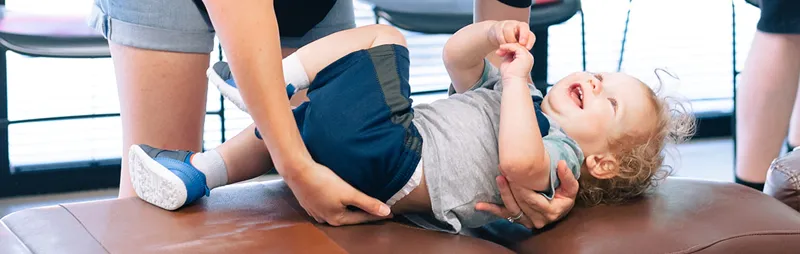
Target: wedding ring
[{"x": 514, "y": 218}]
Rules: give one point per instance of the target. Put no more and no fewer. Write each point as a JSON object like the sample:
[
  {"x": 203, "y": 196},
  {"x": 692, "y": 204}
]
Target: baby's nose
[{"x": 597, "y": 85}]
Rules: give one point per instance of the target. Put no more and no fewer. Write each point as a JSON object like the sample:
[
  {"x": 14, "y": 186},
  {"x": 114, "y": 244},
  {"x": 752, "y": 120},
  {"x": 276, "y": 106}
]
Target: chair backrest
[
  {"x": 50, "y": 36},
  {"x": 447, "y": 16}
]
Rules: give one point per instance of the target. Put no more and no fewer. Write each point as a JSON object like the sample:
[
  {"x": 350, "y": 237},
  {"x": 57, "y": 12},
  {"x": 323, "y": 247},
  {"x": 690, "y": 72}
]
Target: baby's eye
[
  {"x": 598, "y": 76},
  {"x": 613, "y": 103}
]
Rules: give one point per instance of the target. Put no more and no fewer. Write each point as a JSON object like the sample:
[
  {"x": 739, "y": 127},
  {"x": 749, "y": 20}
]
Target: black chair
[
  {"x": 425, "y": 17},
  {"x": 43, "y": 36}
]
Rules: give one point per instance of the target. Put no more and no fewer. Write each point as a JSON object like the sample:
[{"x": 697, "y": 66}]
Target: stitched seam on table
[
  {"x": 793, "y": 181},
  {"x": 17, "y": 237},
  {"x": 84, "y": 228},
  {"x": 700, "y": 247}
]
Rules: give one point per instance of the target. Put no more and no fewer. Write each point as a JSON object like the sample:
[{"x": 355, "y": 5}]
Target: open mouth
[{"x": 576, "y": 93}]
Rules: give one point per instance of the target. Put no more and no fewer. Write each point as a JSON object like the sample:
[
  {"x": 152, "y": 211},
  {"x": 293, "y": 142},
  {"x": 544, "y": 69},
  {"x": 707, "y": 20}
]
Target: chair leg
[
  {"x": 5, "y": 160},
  {"x": 539, "y": 52},
  {"x": 735, "y": 76}
]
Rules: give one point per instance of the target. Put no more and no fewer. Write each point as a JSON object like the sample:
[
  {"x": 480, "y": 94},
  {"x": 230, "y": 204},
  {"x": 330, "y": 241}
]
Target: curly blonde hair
[{"x": 640, "y": 156}]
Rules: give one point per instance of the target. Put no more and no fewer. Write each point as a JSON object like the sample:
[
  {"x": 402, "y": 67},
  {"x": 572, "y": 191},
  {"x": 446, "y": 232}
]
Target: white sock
[
  {"x": 294, "y": 73},
  {"x": 211, "y": 164}
]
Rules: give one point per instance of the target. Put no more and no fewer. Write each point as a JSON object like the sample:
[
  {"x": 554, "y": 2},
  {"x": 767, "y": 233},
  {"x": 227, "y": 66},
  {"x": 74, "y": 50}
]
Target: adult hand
[
  {"x": 325, "y": 196},
  {"x": 538, "y": 210}
]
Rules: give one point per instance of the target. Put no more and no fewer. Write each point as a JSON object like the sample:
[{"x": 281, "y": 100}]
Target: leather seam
[
  {"x": 17, "y": 237},
  {"x": 701, "y": 247},
  {"x": 794, "y": 202},
  {"x": 84, "y": 228}
]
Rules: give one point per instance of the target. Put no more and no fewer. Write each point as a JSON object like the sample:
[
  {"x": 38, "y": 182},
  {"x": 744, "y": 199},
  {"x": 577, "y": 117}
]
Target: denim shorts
[{"x": 184, "y": 25}]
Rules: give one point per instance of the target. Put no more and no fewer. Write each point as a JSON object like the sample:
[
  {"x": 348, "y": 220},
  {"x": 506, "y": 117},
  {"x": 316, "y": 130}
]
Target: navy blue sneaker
[
  {"x": 220, "y": 76},
  {"x": 165, "y": 178}
]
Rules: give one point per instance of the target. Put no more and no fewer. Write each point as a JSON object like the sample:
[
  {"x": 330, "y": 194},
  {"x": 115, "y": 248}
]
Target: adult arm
[{"x": 248, "y": 31}]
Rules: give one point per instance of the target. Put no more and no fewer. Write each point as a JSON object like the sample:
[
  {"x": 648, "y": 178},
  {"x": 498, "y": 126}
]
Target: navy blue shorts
[{"x": 357, "y": 121}]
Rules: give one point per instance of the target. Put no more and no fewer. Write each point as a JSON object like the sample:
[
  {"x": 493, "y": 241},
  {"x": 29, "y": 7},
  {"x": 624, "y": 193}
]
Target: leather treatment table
[{"x": 682, "y": 216}]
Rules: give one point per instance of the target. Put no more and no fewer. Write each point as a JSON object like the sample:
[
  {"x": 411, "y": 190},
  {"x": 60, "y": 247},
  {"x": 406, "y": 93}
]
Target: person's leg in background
[
  {"x": 767, "y": 92},
  {"x": 162, "y": 101},
  {"x": 501, "y": 10},
  {"x": 159, "y": 65}
]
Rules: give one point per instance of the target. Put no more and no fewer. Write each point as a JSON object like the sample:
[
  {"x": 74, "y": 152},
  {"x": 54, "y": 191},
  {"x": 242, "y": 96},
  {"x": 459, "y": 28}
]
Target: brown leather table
[
  {"x": 683, "y": 216},
  {"x": 254, "y": 218}
]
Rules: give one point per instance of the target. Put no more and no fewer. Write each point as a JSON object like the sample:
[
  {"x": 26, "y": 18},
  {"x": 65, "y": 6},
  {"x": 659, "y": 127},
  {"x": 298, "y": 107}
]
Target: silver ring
[{"x": 515, "y": 218}]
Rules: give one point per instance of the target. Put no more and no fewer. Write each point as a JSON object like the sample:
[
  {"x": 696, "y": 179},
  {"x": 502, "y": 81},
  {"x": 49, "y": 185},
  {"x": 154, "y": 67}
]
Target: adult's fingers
[
  {"x": 512, "y": 207},
  {"x": 502, "y": 212},
  {"x": 532, "y": 200},
  {"x": 492, "y": 208},
  {"x": 368, "y": 204},
  {"x": 569, "y": 185},
  {"x": 355, "y": 217},
  {"x": 535, "y": 206},
  {"x": 505, "y": 193}
]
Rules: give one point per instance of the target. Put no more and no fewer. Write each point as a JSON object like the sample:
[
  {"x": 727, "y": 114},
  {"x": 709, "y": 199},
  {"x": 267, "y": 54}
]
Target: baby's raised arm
[
  {"x": 523, "y": 158},
  {"x": 465, "y": 51}
]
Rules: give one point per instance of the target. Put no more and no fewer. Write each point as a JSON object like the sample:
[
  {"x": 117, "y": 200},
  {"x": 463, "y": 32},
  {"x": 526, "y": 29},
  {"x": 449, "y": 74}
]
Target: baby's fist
[
  {"x": 517, "y": 61},
  {"x": 512, "y": 31}
]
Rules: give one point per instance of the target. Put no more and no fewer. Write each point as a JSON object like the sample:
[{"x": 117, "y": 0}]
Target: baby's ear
[{"x": 602, "y": 166}]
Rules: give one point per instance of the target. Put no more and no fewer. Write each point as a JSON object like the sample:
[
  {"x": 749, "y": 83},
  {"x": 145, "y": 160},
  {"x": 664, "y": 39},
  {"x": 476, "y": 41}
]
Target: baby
[{"x": 433, "y": 162}]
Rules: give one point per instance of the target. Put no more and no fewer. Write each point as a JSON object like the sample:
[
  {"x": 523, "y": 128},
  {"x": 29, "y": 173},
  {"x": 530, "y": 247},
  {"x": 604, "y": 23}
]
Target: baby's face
[{"x": 594, "y": 108}]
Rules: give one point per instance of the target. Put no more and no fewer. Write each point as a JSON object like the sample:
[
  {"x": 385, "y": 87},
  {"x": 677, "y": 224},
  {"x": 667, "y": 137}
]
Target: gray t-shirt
[{"x": 460, "y": 154}]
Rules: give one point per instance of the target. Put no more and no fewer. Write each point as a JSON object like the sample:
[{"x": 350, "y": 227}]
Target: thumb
[
  {"x": 368, "y": 204},
  {"x": 569, "y": 185},
  {"x": 358, "y": 217}
]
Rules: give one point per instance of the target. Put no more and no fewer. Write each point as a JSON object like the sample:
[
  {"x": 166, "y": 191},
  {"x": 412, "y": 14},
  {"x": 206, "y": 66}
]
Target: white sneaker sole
[
  {"x": 227, "y": 91},
  {"x": 153, "y": 182}
]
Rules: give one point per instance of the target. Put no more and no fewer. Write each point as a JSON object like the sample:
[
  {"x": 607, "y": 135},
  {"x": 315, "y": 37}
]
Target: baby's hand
[
  {"x": 517, "y": 62},
  {"x": 512, "y": 31}
]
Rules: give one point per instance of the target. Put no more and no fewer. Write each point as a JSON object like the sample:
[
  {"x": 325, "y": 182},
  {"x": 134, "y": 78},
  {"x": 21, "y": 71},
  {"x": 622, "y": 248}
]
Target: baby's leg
[
  {"x": 301, "y": 67},
  {"x": 321, "y": 53},
  {"x": 172, "y": 179}
]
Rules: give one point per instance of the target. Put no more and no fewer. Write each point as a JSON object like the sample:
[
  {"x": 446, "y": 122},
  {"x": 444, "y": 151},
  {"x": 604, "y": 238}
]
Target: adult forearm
[{"x": 255, "y": 60}]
